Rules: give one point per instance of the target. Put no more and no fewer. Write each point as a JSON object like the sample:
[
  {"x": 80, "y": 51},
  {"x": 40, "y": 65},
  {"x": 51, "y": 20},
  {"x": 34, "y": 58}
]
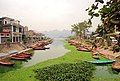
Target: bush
[{"x": 66, "y": 72}]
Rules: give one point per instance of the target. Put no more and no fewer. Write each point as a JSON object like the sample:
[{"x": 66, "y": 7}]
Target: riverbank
[
  {"x": 4, "y": 48},
  {"x": 73, "y": 56}
]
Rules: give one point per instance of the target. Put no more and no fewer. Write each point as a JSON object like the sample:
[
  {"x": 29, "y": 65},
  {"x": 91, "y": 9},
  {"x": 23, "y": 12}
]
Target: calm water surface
[{"x": 57, "y": 49}]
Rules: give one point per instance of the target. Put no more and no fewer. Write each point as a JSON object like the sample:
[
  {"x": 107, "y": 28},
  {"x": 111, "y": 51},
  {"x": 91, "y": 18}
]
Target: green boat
[{"x": 102, "y": 61}]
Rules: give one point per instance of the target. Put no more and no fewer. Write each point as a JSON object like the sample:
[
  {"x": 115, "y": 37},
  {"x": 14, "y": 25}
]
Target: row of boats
[
  {"x": 95, "y": 55},
  {"x": 24, "y": 55},
  {"x": 41, "y": 45},
  {"x": 17, "y": 56},
  {"x": 85, "y": 48}
]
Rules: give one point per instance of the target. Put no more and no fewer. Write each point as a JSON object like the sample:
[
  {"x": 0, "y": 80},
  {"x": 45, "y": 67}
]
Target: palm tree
[
  {"x": 77, "y": 30},
  {"x": 80, "y": 29}
]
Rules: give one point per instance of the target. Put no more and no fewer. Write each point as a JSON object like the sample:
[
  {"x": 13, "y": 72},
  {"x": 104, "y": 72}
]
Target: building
[
  {"x": 33, "y": 36},
  {"x": 25, "y": 29},
  {"x": 10, "y": 29}
]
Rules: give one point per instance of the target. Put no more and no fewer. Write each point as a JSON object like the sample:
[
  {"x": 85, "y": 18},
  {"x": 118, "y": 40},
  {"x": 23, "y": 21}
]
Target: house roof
[{"x": 6, "y": 18}]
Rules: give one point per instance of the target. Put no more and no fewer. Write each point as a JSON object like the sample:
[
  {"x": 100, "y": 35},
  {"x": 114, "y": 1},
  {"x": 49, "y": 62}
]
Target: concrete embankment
[{"x": 4, "y": 48}]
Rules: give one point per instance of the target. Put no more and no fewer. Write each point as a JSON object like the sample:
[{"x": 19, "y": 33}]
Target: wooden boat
[
  {"x": 26, "y": 53},
  {"x": 83, "y": 49},
  {"x": 21, "y": 55},
  {"x": 95, "y": 57},
  {"x": 17, "y": 58},
  {"x": 47, "y": 47},
  {"x": 39, "y": 48},
  {"x": 7, "y": 63},
  {"x": 116, "y": 65},
  {"x": 102, "y": 61}
]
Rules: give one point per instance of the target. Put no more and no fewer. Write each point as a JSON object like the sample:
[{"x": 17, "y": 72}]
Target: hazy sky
[{"x": 44, "y": 15}]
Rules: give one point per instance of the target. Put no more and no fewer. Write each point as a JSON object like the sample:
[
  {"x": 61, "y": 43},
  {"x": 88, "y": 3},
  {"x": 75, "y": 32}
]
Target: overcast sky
[{"x": 42, "y": 15}]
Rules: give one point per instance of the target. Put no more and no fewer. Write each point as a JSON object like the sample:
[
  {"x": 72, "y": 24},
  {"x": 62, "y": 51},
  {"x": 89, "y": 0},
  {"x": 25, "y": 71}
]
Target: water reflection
[{"x": 106, "y": 71}]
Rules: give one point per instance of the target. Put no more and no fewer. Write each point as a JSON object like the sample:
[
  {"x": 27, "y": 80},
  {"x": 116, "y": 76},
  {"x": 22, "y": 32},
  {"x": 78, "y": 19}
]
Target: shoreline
[{"x": 27, "y": 73}]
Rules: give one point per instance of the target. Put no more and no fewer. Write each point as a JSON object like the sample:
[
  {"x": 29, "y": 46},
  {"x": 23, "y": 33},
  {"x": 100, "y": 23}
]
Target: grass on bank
[{"x": 27, "y": 74}]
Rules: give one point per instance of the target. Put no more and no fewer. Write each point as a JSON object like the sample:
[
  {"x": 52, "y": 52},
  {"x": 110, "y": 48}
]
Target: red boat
[
  {"x": 26, "y": 53},
  {"x": 21, "y": 55},
  {"x": 18, "y": 58},
  {"x": 39, "y": 48},
  {"x": 7, "y": 63},
  {"x": 83, "y": 49}
]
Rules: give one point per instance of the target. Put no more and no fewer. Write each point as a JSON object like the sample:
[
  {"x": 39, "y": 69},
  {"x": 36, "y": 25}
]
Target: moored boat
[
  {"x": 39, "y": 48},
  {"x": 21, "y": 56},
  {"x": 102, "y": 61},
  {"x": 18, "y": 58},
  {"x": 47, "y": 47},
  {"x": 95, "y": 56},
  {"x": 7, "y": 63},
  {"x": 27, "y": 53},
  {"x": 116, "y": 65},
  {"x": 83, "y": 49}
]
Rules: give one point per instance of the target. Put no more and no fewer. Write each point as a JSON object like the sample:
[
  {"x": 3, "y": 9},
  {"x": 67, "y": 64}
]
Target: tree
[
  {"x": 101, "y": 31},
  {"x": 8, "y": 41},
  {"x": 109, "y": 13},
  {"x": 80, "y": 29},
  {"x": 25, "y": 39}
]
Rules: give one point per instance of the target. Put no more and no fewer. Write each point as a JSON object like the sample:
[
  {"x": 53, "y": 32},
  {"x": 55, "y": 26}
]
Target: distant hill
[{"x": 58, "y": 34}]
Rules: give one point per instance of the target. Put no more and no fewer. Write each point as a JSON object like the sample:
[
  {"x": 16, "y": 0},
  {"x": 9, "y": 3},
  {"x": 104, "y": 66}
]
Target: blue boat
[{"x": 101, "y": 61}]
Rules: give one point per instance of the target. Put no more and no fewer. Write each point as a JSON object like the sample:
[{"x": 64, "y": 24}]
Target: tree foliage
[
  {"x": 109, "y": 13},
  {"x": 101, "y": 31},
  {"x": 80, "y": 28}
]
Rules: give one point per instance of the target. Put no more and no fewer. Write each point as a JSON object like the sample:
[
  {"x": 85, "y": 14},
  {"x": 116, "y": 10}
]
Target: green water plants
[{"x": 66, "y": 72}]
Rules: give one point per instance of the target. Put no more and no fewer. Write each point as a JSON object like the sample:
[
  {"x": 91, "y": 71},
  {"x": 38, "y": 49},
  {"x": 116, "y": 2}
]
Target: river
[{"x": 56, "y": 50}]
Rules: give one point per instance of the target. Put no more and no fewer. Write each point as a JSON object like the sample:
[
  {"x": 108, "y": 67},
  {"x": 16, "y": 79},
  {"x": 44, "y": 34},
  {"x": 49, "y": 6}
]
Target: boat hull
[{"x": 102, "y": 61}]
